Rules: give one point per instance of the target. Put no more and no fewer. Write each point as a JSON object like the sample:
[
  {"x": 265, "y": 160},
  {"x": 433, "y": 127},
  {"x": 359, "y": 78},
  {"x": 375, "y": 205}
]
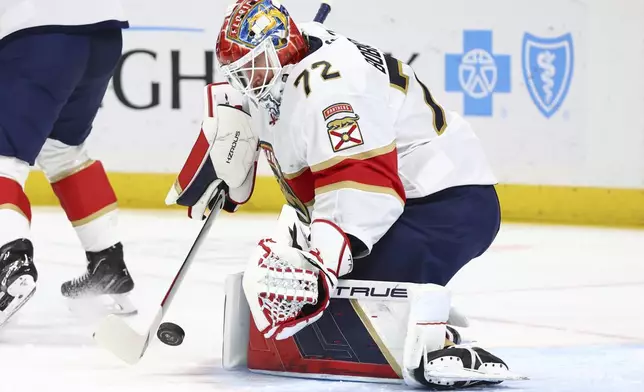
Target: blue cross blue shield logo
[
  {"x": 478, "y": 73},
  {"x": 548, "y": 69}
]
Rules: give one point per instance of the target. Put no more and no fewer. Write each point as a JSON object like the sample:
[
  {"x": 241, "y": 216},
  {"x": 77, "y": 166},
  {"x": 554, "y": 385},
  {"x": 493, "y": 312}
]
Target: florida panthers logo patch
[{"x": 342, "y": 127}]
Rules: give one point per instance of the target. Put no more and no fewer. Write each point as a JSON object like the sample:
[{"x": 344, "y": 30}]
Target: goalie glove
[
  {"x": 289, "y": 288},
  {"x": 226, "y": 149}
]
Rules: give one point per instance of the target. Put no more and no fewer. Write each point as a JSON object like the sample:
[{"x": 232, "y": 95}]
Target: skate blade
[
  {"x": 122, "y": 305},
  {"x": 22, "y": 289},
  {"x": 102, "y": 305}
]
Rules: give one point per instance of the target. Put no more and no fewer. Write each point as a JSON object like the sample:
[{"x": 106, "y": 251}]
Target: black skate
[
  {"x": 18, "y": 277},
  {"x": 106, "y": 283},
  {"x": 462, "y": 366}
]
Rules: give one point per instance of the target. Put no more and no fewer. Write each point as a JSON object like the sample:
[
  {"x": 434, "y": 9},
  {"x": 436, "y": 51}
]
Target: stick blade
[{"x": 117, "y": 336}]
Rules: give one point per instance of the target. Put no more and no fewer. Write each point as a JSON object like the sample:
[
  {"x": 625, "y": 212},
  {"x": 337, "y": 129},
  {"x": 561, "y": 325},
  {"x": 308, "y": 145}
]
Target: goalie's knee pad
[{"x": 372, "y": 331}]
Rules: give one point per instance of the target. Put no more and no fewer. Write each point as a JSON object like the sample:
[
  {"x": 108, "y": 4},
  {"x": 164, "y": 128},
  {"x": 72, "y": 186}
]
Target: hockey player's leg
[
  {"x": 30, "y": 99},
  {"x": 428, "y": 363},
  {"x": 86, "y": 195},
  {"x": 81, "y": 183},
  {"x": 38, "y": 74},
  {"x": 433, "y": 239},
  {"x": 18, "y": 274}
]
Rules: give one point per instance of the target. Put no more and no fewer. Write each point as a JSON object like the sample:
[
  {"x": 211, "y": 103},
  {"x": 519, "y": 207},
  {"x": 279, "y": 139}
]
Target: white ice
[{"x": 563, "y": 305}]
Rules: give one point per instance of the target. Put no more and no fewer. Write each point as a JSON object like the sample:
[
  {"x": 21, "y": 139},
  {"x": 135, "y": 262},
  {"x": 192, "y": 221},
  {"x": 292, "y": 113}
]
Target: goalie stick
[{"x": 117, "y": 336}]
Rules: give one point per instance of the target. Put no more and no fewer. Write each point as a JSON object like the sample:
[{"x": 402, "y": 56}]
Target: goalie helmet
[{"x": 258, "y": 38}]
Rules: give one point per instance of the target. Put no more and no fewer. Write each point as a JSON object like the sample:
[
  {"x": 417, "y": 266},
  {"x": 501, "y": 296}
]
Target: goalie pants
[
  {"x": 51, "y": 86},
  {"x": 434, "y": 237}
]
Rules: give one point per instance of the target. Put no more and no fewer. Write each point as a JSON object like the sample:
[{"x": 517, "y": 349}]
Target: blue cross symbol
[{"x": 478, "y": 73}]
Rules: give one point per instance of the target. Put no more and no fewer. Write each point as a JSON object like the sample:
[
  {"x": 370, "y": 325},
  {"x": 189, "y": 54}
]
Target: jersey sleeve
[{"x": 351, "y": 152}]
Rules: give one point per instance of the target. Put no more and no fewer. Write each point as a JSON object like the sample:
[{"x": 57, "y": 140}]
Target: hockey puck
[{"x": 170, "y": 334}]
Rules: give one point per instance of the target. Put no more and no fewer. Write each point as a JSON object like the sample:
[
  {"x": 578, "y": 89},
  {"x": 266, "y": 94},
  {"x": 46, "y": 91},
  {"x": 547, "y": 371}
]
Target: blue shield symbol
[{"x": 547, "y": 69}]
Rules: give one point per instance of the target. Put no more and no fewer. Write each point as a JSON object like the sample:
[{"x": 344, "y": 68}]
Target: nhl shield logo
[{"x": 548, "y": 69}]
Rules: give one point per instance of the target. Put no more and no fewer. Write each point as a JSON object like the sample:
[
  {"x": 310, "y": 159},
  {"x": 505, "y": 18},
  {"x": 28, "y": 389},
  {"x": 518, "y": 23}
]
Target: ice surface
[{"x": 562, "y": 305}]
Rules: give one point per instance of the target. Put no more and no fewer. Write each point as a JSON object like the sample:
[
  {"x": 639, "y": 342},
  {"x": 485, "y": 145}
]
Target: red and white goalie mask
[{"x": 258, "y": 38}]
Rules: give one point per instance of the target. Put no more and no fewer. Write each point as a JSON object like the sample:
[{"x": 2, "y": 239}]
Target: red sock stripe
[
  {"x": 12, "y": 196},
  {"x": 85, "y": 193}
]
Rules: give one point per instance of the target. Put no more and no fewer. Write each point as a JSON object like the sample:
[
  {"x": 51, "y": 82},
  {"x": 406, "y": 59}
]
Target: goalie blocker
[
  {"x": 372, "y": 331},
  {"x": 226, "y": 148}
]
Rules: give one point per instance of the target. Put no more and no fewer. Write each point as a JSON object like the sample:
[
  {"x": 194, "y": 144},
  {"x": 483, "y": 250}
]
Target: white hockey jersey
[
  {"x": 358, "y": 134},
  {"x": 17, "y": 15}
]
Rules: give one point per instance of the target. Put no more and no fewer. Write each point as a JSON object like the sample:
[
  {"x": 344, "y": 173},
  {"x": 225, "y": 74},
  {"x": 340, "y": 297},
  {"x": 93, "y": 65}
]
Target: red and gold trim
[
  {"x": 71, "y": 172},
  {"x": 13, "y": 197},
  {"x": 94, "y": 216},
  {"x": 290, "y": 176},
  {"x": 373, "y": 171},
  {"x": 85, "y": 195},
  {"x": 376, "y": 152},
  {"x": 302, "y": 186},
  {"x": 361, "y": 187}
]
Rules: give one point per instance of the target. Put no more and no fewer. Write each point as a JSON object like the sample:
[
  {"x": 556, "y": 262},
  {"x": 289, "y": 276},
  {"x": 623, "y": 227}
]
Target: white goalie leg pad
[
  {"x": 236, "y": 324},
  {"x": 382, "y": 306},
  {"x": 388, "y": 311},
  {"x": 406, "y": 321},
  {"x": 428, "y": 313},
  {"x": 457, "y": 318}
]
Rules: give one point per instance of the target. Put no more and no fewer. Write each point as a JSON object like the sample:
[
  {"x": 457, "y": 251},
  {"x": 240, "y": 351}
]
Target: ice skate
[
  {"x": 105, "y": 286},
  {"x": 462, "y": 366},
  {"x": 18, "y": 277}
]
